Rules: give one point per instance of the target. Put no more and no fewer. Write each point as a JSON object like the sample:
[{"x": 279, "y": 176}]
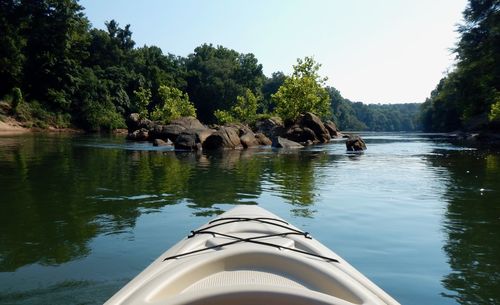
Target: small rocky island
[{"x": 188, "y": 133}]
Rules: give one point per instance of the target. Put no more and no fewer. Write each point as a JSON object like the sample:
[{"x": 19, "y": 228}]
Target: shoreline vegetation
[{"x": 93, "y": 80}]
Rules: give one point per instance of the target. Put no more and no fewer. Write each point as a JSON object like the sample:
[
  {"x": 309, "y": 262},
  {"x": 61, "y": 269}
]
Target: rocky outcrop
[
  {"x": 188, "y": 133},
  {"x": 187, "y": 141},
  {"x": 188, "y": 123},
  {"x": 280, "y": 142},
  {"x": 139, "y": 135},
  {"x": 224, "y": 138},
  {"x": 160, "y": 142},
  {"x": 203, "y": 134},
  {"x": 262, "y": 139},
  {"x": 134, "y": 122},
  {"x": 301, "y": 134},
  {"x": 167, "y": 132},
  {"x": 314, "y": 123},
  {"x": 355, "y": 143},
  {"x": 271, "y": 127},
  {"x": 332, "y": 129},
  {"x": 249, "y": 140},
  {"x": 240, "y": 128},
  {"x": 308, "y": 129}
]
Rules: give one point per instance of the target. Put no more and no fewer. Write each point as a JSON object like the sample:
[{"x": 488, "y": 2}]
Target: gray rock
[
  {"x": 241, "y": 128},
  {"x": 187, "y": 141},
  {"x": 139, "y": 135},
  {"x": 271, "y": 127},
  {"x": 171, "y": 132},
  {"x": 203, "y": 134},
  {"x": 262, "y": 139},
  {"x": 224, "y": 138},
  {"x": 249, "y": 140},
  {"x": 280, "y": 142},
  {"x": 301, "y": 134},
  {"x": 313, "y": 122},
  {"x": 160, "y": 142},
  {"x": 332, "y": 129},
  {"x": 188, "y": 123},
  {"x": 134, "y": 122},
  {"x": 355, "y": 143}
]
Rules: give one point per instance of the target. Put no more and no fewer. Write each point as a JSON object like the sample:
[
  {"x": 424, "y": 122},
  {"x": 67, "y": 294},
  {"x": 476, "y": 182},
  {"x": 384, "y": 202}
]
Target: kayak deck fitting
[{"x": 248, "y": 256}]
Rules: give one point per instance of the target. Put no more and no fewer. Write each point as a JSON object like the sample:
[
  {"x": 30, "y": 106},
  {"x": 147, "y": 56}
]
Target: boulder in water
[
  {"x": 160, "y": 142},
  {"x": 224, "y": 138},
  {"x": 280, "y": 142},
  {"x": 139, "y": 135},
  {"x": 355, "y": 143}
]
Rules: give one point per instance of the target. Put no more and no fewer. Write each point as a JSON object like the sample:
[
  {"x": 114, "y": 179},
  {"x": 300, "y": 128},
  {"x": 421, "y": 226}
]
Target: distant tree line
[
  {"x": 468, "y": 97},
  {"x": 374, "y": 117},
  {"x": 57, "y": 70}
]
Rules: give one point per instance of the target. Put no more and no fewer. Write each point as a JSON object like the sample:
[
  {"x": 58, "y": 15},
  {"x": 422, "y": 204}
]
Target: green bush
[
  {"x": 143, "y": 98},
  {"x": 302, "y": 92},
  {"x": 17, "y": 98},
  {"x": 494, "y": 114},
  {"x": 223, "y": 117},
  {"x": 244, "y": 111},
  {"x": 174, "y": 104}
]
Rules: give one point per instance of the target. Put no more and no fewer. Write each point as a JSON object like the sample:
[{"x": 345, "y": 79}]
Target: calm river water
[{"x": 82, "y": 215}]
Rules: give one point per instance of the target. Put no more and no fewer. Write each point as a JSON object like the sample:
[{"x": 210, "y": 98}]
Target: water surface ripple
[{"x": 81, "y": 215}]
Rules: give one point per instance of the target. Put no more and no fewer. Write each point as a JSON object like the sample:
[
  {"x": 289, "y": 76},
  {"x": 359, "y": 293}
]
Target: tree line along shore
[{"x": 93, "y": 79}]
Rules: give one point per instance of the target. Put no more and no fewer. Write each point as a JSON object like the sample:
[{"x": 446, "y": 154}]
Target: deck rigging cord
[{"x": 266, "y": 220}]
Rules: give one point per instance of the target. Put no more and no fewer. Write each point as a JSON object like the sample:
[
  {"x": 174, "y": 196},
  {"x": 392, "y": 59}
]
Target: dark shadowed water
[{"x": 82, "y": 215}]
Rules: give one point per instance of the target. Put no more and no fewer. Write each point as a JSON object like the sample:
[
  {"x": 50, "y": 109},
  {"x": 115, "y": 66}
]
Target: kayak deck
[{"x": 246, "y": 256}]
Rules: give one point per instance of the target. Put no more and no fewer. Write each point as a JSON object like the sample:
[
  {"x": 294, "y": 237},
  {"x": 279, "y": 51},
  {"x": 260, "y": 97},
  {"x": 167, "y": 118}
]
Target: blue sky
[{"x": 375, "y": 51}]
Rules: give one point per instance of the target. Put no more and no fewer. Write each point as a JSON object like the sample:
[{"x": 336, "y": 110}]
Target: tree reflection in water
[
  {"x": 472, "y": 226},
  {"x": 57, "y": 196}
]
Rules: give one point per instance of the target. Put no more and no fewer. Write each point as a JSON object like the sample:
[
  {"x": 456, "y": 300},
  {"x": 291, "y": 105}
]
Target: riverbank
[
  {"x": 484, "y": 138},
  {"x": 9, "y": 126}
]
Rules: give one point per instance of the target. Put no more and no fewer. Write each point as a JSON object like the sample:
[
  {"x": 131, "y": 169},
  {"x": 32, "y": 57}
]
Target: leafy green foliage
[
  {"x": 174, "y": 104},
  {"x": 143, "y": 98},
  {"x": 245, "y": 110},
  {"x": 223, "y": 117},
  {"x": 373, "y": 117},
  {"x": 17, "y": 98},
  {"x": 68, "y": 73},
  {"x": 270, "y": 87},
  {"x": 217, "y": 76},
  {"x": 464, "y": 98},
  {"x": 302, "y": 92},
  {"x": 495, "y": 112}
]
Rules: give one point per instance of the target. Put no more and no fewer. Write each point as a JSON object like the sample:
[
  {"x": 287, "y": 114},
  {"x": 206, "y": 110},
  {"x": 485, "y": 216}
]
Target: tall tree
[
  {"x": 12, "y": 43},
  {"x": 465, "y": 97},
  {"x": 56, "y": 43},
  {"x": 303, "y": 92},
  {"x": 217, "y": 76}
]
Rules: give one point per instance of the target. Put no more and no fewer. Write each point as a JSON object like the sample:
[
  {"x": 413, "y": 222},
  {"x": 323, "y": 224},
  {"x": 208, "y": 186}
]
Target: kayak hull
[{"x": 247, "y": 256}]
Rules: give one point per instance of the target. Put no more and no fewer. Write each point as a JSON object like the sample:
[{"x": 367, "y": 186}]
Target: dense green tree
[
  {"x": 217, "y": 76},
  {"x": 174, "y": 104},
  {"x": 302, "y": 92},
  {"x": 270, "y": 87},
  {"x": 373, "y": 117},
  {"x": 464, "y": 98},
  {"x": 57, "y": 70},
  {"x": 11, "y": 46},
  {"x": 93, "y": 105},
  {"x": 245, "y": 110},
  {"x": 56, "y": 43}
]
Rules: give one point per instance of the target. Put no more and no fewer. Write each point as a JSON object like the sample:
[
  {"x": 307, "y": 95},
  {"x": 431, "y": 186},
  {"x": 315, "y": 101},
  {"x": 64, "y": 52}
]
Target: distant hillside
[{"x": 357, "y": 116}]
